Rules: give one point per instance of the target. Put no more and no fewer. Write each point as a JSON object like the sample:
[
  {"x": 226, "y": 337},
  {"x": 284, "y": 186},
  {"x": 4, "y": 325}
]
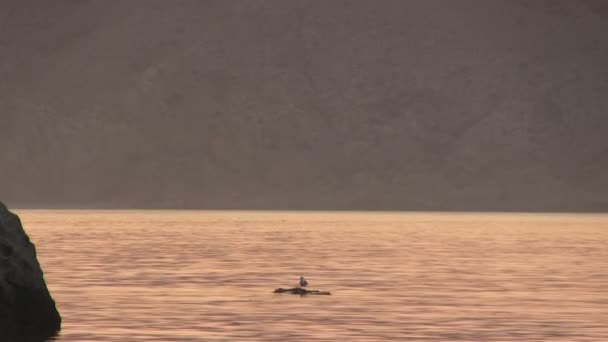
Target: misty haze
[{"x": 404, "y": 105}]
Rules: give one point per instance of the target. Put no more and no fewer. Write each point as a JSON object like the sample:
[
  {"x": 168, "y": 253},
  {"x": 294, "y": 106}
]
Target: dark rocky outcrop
[
  {"x": 301, "y": 291},
  {"x": 27, "y": 311}
]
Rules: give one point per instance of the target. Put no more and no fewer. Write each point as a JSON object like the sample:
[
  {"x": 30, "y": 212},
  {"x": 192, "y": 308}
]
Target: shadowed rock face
[{"x": 27, "y": 311}]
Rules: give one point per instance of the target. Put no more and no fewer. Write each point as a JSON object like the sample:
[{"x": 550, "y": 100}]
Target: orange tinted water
[{"x": 209, "y": 276}]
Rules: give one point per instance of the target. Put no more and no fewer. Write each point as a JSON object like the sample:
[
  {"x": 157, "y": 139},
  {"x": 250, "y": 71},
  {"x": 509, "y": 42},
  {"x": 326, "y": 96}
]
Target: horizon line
[{"x": 303, "y": 211}]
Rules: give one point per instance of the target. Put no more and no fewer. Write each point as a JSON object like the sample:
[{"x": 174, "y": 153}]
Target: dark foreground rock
[
  {"x": 27, "y": 311},
  {"x": 301, "y": 291}
]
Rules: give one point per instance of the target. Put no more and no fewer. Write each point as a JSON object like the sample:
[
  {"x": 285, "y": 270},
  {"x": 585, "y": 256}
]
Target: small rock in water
[{"x": 301, "y": 291}]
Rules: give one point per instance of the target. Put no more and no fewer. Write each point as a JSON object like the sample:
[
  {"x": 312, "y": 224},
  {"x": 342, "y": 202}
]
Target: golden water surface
[{"x": 209, "y": 276}]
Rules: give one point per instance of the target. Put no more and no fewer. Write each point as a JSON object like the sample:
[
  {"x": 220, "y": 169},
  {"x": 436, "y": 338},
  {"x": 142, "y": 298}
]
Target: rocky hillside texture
[
  {"x": 422, "y": 104},
  {"x": 27, "y": 311}
]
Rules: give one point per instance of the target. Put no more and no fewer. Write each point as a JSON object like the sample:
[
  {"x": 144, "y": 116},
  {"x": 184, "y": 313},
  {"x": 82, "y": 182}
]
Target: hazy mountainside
[{"x": 444, "y": 105}]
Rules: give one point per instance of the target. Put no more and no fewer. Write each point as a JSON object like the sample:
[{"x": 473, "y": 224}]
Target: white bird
[{"x": 303, "y": 282}]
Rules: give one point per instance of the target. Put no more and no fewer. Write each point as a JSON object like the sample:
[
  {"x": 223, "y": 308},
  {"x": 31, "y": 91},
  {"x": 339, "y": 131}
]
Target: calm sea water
[{"x": 209, "y": 276}]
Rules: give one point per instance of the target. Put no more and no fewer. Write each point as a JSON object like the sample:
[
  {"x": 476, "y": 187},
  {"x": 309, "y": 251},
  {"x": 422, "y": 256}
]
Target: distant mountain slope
[{"x": 420, "y": 105}]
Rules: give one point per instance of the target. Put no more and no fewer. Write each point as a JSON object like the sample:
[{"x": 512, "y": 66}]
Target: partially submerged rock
[
  {"x": 301, "y": 291},
  {"x": 27, "y": 311}
]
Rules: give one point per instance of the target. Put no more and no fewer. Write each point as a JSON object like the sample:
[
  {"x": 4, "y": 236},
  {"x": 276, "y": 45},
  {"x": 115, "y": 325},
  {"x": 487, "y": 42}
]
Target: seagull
[{"x": 303, "y": 282}]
